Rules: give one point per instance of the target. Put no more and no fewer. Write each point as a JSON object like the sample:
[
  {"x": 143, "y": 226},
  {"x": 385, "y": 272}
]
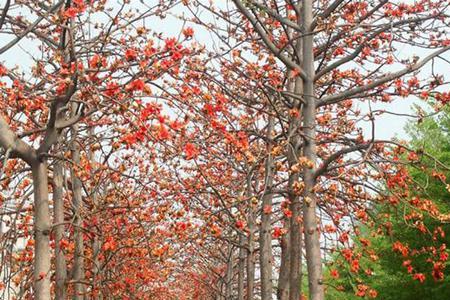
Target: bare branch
[
  {"x": 28, "y": 30},
  {"x": 4, "y": 12},
  {"x": 326, "y": 13},
  {"x": 8, "y": 140},
  {"x": 323, "y": 169},
  {"x": 274, "y": 49},
  {"x": 388, "y": 77}
]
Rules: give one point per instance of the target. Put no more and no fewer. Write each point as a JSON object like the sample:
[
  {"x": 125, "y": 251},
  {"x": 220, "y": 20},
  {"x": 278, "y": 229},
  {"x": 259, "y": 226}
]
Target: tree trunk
[
  {"x": 251, "y": 249},
  {"x": 312, "y": 238},
  {"x": 78, "y": 264},
  {"x": 95, "y": 242},
  {"x": 295, "y": 243},
  {"x": 265, "y": 237},
  {"x": 58, "y": 210},
  {"x": 241, "y": 267},
  {"x": 285, "y": 264},
  {"x": 96, "y": 266},
  {"x": 290, "y": 268},
  {"x": 41, "y": 232},
  {"x": 229, "y": 276},
  {"x": 284, "y": 274},
  {"x": 295, "y": 249}
]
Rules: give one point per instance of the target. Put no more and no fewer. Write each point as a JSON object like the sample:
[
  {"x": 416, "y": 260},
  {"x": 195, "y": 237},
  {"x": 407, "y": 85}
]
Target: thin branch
[
  {"x": 28, "y": 30},
  {"x": 274, "y": 49},
  {"x": 5, "y": 160},
  {"x": 4, "y": 12},
  {"x": 386, "y": 78}
]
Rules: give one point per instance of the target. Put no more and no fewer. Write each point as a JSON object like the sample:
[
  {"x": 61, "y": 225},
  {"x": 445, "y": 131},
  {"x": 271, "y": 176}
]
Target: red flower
[
  {"x": 71, "y": 12},
  {"x": 112, "y": 89},
  {"x": 347, "y": 253},
  {"x": 136, "y": 85},
  {"x": 338, "y": 51},
  {"x": 287, "y": 212},
  {"x": 190, "y": 150},
  {"x": 109, "y": 244},
  {"x": 355, "y": 266},
  {"x": 343, "y": 238},
  {"x": 170, "y": 43},
  {"x": 2, "y": 70},
  {"x": 437, "y": 271},
  {"x": 130, "y": 54},
  {"x": 334, "y": 273},
  {"x": 239, "y": 224},
  {"x": 63, "y": 243},
  {"x": 412, "y": 156},
  {"x": 399, "y": 247},
  {"x": 267, "y": 209},
  {"x": 95, "y": 61},
  {"x": 361, "y": 290},
  {"x": 176, "y": 55},
  {"x": 373, "y": 293},
  {"x": 277, "y": 232},
  {"x": 80, "y": 5},
  {"x": 420, "y": 277},
  {"x": 407, "y": 264},
  {"x": 209, "y": 109},
  {"x": 329, "y": 228},
  {"x": 165, "y": 64},
  {"x": 188, "y": 32},
  {"x": 163, "y": 133}
]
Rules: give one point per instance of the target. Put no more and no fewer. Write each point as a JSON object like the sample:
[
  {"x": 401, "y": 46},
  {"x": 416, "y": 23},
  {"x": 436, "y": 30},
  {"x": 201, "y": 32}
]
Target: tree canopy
[{"x": 219, "y": 150}]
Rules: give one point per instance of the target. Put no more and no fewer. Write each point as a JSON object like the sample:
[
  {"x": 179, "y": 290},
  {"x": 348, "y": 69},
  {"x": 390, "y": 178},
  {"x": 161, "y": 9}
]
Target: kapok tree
[
  {"x": 216, "y": 176},
  {"x": 88, "y": 67},
  {"x": 341, "y": 56}
]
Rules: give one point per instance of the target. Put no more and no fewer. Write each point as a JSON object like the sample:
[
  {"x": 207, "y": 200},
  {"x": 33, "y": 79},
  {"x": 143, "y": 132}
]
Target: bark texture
[
  {"x": 312, "y": 238},
  {"x": 58, "y": 219},
  {"x": 77, "y": 201},
  {"x": 265, "y": 241},
  {"x": 42, "y": 229},
  {"x": 241, "y": 268},
  {"x": 251, "y": 246}
]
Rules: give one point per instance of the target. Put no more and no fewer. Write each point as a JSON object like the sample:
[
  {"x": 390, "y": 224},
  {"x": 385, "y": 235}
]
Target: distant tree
[{"x": 420, "y": 272}]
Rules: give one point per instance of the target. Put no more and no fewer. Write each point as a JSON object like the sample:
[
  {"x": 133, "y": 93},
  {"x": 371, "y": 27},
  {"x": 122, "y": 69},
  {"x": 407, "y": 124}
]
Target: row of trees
[{"x": 141, "y": 165}]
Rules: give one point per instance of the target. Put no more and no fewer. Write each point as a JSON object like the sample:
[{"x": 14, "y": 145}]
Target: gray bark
[
  {"x": 229, "y": 276},
  {"x": 78, "y": 264},
  {"x": 295, "y": 228},
  {"x": 241, "y": 267},
  {"x": 251, "y": 246},
  {"x": 96, "y": 246},
  {"x": 41, "y": 232},
  {"x": 265, "y": 236},
  {"x": 58, "y": 211},
  {"x": 284, "y": 273},
  {"x": 312, "y": 238}
]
